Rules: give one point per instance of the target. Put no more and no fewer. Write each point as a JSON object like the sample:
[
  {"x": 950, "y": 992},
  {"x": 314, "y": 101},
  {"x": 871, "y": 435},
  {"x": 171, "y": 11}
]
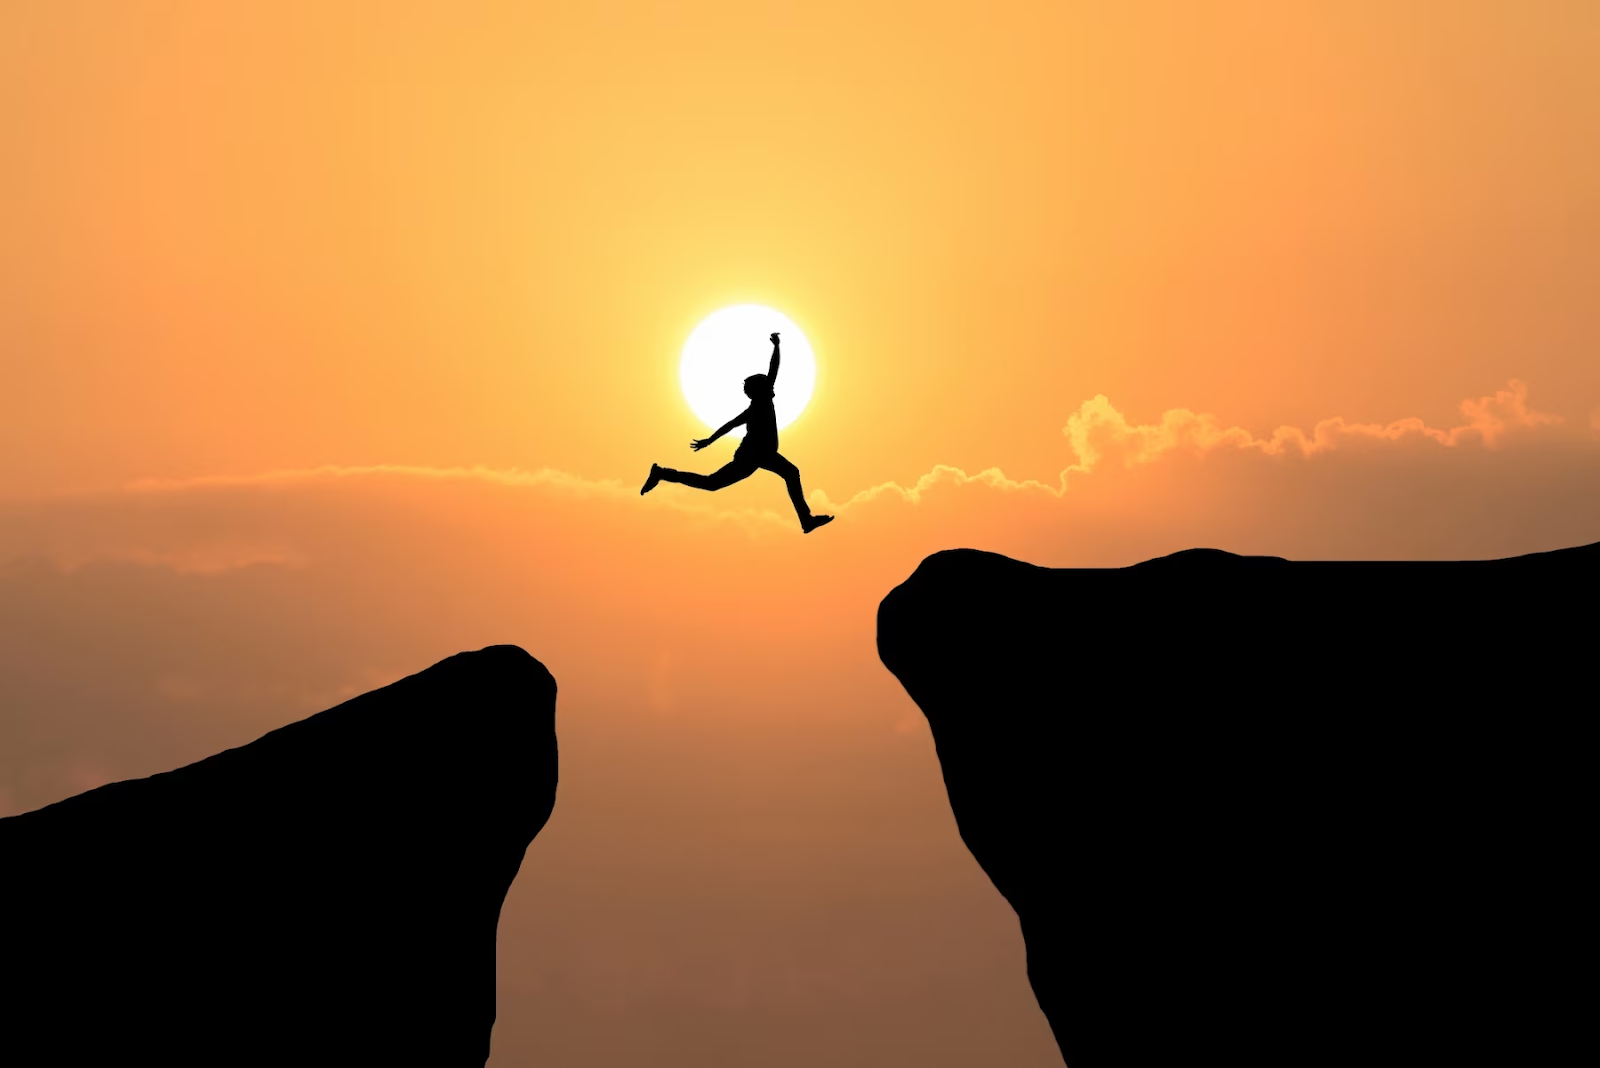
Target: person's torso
[{"x": 761, "y": 429}]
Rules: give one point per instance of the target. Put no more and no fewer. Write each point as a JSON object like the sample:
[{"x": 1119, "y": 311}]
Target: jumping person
[{"x": 758, "y": 450}]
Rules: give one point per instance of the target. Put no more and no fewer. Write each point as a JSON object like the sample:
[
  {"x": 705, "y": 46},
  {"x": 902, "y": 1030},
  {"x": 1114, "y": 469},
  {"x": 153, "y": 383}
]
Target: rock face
[
  {"x": 1255, "y": 812},
  {"x": 327, "y": 894}
]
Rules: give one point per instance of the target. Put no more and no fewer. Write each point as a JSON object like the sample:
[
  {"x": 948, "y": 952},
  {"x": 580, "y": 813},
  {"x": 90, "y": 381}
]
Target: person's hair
[{"x": 756, "y": 382}]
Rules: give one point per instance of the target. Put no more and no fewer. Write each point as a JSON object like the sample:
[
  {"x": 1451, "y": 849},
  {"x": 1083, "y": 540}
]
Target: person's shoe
[
  {"x": 651, "y": 482},
  {"x": 808, "y": 525}
]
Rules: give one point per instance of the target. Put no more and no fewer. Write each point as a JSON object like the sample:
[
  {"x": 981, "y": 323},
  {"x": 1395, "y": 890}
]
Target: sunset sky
[{"x": 337, "y": 338}]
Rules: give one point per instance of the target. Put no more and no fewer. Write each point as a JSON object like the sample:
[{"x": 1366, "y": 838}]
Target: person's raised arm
[
  {"x": 772, "y": 371},
  {"x": 700, "y": 443}
]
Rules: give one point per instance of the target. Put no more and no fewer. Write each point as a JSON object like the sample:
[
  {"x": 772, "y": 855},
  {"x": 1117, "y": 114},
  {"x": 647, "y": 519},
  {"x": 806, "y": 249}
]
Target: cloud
[
  {"x": 548, "y": 478},
  {"x": 544, "y": 476},
  {"x": 1098, "y": 430},
  {"x": 212, "y": 524},
  {"x": 941, "y": 475}
]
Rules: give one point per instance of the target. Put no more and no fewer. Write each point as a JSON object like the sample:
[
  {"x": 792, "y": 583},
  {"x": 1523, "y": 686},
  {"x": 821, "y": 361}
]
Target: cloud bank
[
  {"x": 213, "y": 524},
  {"x": 1098, "y": 431}
]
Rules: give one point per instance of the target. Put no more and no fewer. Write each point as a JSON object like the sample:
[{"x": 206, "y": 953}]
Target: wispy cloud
[
  {"x": 544, "y": 476},
  {"x": 1097, "y": 427},
  {"x": 1098, "y": 431},
  {"x": 563, "y": 482},
  {"x": 174, "y": 523},
  {"x": 941, "y": 475}
]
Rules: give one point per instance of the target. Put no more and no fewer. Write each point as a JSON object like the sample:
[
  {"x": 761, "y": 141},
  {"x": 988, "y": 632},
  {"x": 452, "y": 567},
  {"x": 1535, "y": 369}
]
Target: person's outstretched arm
[
  {"x": 772, "y": 372},
  {"x": 700, "y": 443}
]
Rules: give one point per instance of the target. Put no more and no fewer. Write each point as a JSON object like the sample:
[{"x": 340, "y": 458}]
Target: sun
[{"x": 730, "y": 345}]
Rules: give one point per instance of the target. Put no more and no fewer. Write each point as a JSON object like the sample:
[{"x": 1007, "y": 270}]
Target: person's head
[{"x": 756, "y": 387}]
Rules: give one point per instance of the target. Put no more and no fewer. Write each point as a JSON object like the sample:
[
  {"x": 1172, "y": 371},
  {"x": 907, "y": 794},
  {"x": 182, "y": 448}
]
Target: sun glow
[{"x": 730, "y": 345}]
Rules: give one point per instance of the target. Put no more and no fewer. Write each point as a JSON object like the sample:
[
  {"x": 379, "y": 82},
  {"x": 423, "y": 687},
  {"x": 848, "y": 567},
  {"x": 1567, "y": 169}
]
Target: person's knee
[{"x": 727, "y": 476}]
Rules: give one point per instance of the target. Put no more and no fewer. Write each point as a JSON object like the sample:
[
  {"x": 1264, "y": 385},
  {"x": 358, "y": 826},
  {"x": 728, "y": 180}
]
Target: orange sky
[{"x": 336, "y": 339}]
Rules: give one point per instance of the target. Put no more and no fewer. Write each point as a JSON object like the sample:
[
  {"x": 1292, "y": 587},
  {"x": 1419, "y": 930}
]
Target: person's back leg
[
  {"x": 726, "y": 475},
  {"x": 790, "y": 474}
]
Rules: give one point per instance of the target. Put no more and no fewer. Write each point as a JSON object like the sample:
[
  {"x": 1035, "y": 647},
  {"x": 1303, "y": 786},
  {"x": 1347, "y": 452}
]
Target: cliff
[
  {"x": 1254, "y": 812},
  {"x": 326, "y": 894}
]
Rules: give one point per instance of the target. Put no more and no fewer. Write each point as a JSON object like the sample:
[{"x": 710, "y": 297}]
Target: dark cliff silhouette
[
  {"x": 757, "y": 452},
  {"x": 1255, "y": 812},
  {"x": 327, "y": 894}
]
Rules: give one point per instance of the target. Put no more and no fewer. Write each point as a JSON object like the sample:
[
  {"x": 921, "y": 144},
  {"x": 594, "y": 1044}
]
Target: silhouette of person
[{"x": 758, "y": 451}]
